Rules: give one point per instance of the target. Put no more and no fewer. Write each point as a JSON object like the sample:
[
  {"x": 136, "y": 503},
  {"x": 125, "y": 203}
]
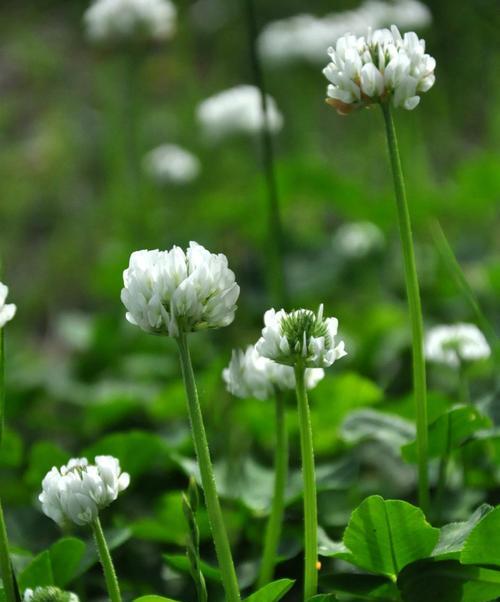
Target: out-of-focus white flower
[
  {"x": 456, "y": 343},
  {"x": 48, "y": 594},
  {"x": 300, "y": 336},
  {"x": 381, "y": 67},
  {"x": 237, "y": 111},
  {"x": 358, "y": 239},
  {"x": 249, "y": 374},
  {"x": 116, "y": 21},
  {"x": 305, "y": 37},
  {"x": 169, "y": 292},
  {"x": 170, "y": 163},
  {"x": 7, "y": 310},
  {"x": 77, "y": 491}
]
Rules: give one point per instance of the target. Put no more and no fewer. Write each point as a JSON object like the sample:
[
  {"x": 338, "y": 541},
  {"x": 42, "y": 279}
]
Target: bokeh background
[{"x": 75, "y": 202}]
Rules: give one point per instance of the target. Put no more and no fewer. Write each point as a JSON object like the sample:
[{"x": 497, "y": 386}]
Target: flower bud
[{"x": 300, "y": 337}]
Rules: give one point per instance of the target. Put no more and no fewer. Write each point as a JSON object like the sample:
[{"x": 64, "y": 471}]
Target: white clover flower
[
  {"x": 170, "y": 163},
  {"x": 383, "y": 67},
  {"x": 7, "y": 310},
  {"x": 48, "y": 594},
  {"x": 358, "y": 239},
  {"x": 305, "y": 37},
  {"x": 77, "y": 491},
  {"x": 456, "y": 343},
  {"x": 249, "y": 374},
  {"x": 117, "y": 21},
  {"x": 300, "y": 336},
  {"x": 169, "y": 292},
  {"x": 237, "y": 111}
]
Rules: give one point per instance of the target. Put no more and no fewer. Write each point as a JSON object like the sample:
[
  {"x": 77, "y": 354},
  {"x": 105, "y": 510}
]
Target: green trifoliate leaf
[
  {"x": 384, "y": 536},
  {"x": 483, "y": 544}
]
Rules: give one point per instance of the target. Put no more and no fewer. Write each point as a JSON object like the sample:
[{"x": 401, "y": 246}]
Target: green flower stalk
[
  {"x": 106, "y": 562},
  {"x": 302, "y": 339},
  {"x": 174, "y": 293},
  {"x": 249, "y": 374},
  {"x": 7, "y": 312},
  {"x": 414, "y": 308},
  {"x": 392, "y": 70}
]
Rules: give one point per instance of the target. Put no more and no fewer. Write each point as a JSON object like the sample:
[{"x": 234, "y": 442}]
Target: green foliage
[
  {"x": 449, "y": 431},
  {"x": 384, "y": 536},
  {"x": 272, "y": 592}
]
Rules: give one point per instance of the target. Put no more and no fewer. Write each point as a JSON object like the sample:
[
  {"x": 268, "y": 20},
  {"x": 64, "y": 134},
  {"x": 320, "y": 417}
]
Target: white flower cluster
[
  {"x": 77, "y": 491},
  {"x": 237, "y": 111},
  {"x": 358, "y": 239},
  {"x": 116, "y": 21},
  {"x": 48, "y": 593},
  {"x": 172, "y": 164},
  {"x": 456, "y": 343},
  {"x": 305, "y": 37},
  {"x": 300, "y": 336},
  {"x": 7, "y": 310},
  {"x": 381, "y": 67},
  {"x": 168, "y": 292},
  {"x": 249, "y": 374}
]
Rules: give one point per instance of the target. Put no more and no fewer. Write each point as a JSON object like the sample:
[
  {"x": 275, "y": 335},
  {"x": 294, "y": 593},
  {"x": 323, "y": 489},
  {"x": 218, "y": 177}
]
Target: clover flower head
[
  {"x": 358, "y": 239},
  {"x": 171, "y": 164},
  {"x": 456, "y": 343},
  {"x": 169, "y": 292},
  {"x": 48, "y": 594},
  {"x": 381, "y": 67},
  {"x": 7, "y": 310},
  {"x": 249, "y": 374},
  {"x": 122, "y": 21},
  {"x": 237, "y": 111},
  {"x": 300, "y": 337},
  {"x": 78, "y": 490}
]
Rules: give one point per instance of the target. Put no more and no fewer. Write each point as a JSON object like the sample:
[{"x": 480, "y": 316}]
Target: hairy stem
[
  {"x": 309, "y": 481},
  {"x": 106, "y": 562},
  {"x": 414, "y": 307},
  {"x": 219, "y": 533}
]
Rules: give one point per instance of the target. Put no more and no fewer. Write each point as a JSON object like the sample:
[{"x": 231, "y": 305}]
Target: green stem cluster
[
  {"x": 309, "y": 480},
  {"x": 415, "y": 309},
  {"x": 275, "y": 522},
  {"x": 219, "y": 533},
  {"x": 106, "y": 562}
]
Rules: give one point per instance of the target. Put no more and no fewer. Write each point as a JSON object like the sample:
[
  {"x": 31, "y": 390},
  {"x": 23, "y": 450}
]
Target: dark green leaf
[
  {"x": 384, "y": 536},
  {"x": 362, "y": 587},
  {"x": 153, "y": 598},
  {"x": 272, "y": 591},
  {"x": 448, "y": 581},
  {"x": 65, "y": 556},
  {"x": 371, "y": 424},
  {"x": 448, "y": 432},
  {"x": 37, "y": 573}
]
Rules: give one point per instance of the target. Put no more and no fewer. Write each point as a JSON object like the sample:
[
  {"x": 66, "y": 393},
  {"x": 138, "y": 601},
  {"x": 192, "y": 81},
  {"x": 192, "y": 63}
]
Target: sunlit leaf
[
  {"x": 386, "y": 535},
  {"x": 483, "y": 544},
  {"x": 272, "y": 592}
]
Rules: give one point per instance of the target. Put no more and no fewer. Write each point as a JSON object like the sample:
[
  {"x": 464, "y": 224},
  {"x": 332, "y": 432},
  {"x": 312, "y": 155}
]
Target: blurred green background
[{"x": 75, "y": 204}]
